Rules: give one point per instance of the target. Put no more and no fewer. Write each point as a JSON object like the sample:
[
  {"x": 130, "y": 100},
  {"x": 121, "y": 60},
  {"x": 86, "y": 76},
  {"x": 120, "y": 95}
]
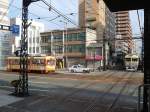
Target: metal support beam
[
  {"x": 104, "y": 51},
  {"x": 146, "y": 60},
  {"x": 22, "y": 88}
]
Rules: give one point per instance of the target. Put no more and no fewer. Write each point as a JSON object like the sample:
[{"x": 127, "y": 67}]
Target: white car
[{"x": 79, "y": 68}]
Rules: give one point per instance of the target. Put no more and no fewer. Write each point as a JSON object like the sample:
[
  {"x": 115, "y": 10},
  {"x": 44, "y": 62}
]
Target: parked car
[{"x": 79, "y": 68}]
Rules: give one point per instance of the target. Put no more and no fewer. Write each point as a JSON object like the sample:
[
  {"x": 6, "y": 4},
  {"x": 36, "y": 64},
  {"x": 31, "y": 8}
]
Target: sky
[
  {"x": 65, "y": 6},
  {"x": 39, "y": 9}
]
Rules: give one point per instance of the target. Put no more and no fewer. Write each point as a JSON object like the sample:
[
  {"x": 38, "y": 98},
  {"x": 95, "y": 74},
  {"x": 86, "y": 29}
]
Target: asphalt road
[{"x": 108, "y": 91}]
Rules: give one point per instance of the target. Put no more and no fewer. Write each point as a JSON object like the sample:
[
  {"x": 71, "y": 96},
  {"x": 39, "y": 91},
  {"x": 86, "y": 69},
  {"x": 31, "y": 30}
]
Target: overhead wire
[
  {"x": 33, "y": 14},
  {"x": 60, "y": 13}
]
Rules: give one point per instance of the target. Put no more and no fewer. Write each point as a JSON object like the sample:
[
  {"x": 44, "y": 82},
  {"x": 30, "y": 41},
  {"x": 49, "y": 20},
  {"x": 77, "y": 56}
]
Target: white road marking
[
  {"x": 9, "y": 87},
  {"x": 38, "y": 82}
]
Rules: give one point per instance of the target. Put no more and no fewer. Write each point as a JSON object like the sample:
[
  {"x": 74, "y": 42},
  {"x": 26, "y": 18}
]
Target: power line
[
  {"x": 58, "y": 12},
  {"x": 38, "y": 17}
]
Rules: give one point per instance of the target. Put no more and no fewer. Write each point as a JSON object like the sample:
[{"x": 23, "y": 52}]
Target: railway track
[
  {"x": 114, "y": 102},
  {"x": 105, "y": 99},
  {"x": 70, "y": 97},
  {"x": 101, "y": 98}
]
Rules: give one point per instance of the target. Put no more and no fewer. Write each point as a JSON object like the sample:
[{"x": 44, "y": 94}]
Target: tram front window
[{"x": 128, "y": 59}]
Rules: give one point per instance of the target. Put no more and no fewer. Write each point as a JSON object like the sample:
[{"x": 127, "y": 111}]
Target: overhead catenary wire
[
  {"x": 38, "y": 17},
  {"x": 58, "y": 12}
]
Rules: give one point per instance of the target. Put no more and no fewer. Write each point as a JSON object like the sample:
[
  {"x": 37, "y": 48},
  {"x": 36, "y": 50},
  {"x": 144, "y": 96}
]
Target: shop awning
[{"x": 97, "y": 57}]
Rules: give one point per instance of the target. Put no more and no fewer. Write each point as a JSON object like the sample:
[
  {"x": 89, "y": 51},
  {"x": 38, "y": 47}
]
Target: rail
[{"x": 140, "y": 98}]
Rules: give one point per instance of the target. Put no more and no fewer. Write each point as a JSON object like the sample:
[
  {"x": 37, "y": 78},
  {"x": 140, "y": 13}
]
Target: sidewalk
[{"x": 6, "y": 98}]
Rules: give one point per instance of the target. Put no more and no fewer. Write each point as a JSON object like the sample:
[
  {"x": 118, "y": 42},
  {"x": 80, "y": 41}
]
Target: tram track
[
  {"x": 113, "y": 104},
  {"x": 69, "y": 96},
  {"x": 91, "y": 107},
  {"x": 73, "y": 97}
]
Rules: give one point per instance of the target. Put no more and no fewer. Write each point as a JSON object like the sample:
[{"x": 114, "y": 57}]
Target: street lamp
[{"x": 65, "y": 41}]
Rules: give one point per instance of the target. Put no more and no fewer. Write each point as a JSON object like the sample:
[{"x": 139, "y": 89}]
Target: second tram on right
[{"x": 131, "y": 62}]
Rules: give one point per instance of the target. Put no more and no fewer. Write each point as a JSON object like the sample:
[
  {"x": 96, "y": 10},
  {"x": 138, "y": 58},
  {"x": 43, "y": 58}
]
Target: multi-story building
[
  {"x": 72, "y": 46},
  {"x": 5, "y": 40},
  {"x": 33, "y": 36},
  {"x": 94, "y": 14},
  {"x": 123, "y": 28},
  {"x": 4, "y": 20}
]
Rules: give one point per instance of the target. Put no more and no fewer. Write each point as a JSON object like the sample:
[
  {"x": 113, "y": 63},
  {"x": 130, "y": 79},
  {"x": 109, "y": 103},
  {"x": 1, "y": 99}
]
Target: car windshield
[{"x": 74, "y": 66}]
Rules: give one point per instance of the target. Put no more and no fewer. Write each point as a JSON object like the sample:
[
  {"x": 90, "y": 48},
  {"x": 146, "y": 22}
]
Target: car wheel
[{"x": 72, "y": 71}]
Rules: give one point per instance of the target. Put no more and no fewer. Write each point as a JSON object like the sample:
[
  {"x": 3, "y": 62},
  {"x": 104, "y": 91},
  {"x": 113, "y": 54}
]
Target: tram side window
[
  {"x": 42, "y": 61},
  {"x": 38, "y": 61},
  {"x": 51, "y": 62},
  {"x": 15, "y": 62}
]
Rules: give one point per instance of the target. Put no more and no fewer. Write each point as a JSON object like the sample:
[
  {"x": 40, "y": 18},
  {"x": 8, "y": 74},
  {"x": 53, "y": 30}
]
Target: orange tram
[{"x": 42, "y": 64}]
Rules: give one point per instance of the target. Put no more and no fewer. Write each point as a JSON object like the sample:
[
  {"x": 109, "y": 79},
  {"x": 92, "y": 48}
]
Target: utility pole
[
  {"x": 146, "y": 91},
  {"x": 22, "y": 85},
  {"x": 142, "y": 63},
  {"x": 94, "y": 58},
  {"x": 65, "y": 39},
  {"x": 104, "y": 52}
]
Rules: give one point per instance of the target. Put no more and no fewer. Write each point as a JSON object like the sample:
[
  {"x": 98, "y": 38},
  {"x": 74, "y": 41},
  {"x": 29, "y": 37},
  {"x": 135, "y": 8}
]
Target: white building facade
[
  {"x": 5, "y": 39},
  {"x": 33, "y": 36}
]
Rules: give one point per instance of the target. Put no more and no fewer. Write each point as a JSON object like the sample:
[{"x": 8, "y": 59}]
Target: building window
[
  {"x": 37, "y": 40},
  {"x": 37, "y": 49},
  {"x": 44, "y": 39},
  {"x": 29, "y": 49},
  {"x": 33, "y": 39},
  {"x": 81, "y": 36},
  {"x": 33, "y": 49},
  {"x": 30, "y": 40},
  {"x": 75, "y": 48}
]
